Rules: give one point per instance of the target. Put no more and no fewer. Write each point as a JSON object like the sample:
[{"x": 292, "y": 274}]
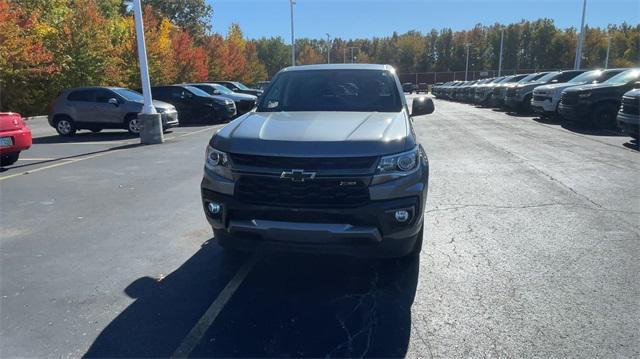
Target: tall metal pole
[
  {"x": 352, "y": 54},
  {"x": 581, "y": 37},
  {"x": 466, "y": 68},
  {"x": 500, "y": 60},
  {"x": 344, "y": 55},
  {"x": 328, "y": 48},
  {"x": 293, "y": 38},
  {"x": 148, "y": 122},
  {"x": 606, "y": 59},
  {"x": 147, "y": 107}
]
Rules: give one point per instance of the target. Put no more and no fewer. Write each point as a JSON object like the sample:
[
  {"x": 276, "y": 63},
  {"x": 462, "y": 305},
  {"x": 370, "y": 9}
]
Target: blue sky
[{"x": 369, "y": 18}]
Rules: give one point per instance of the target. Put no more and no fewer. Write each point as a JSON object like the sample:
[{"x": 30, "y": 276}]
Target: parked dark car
[
  {"x": 512, "y": 97},
  {"x": 95, "y": 108},
  {"x": 521, "y": 102},
  {"x": 239, "y": 87},
  {"x": 261, "y": 85},
  {"x": 546, "y": 98},
  {"x": 409, "y": 87},
  {"x": 498, "y": 91},
  {"x": 423, "y": 87},
  {"x": 244, "y": 103},
  {"x": 328, "y": 163},
  {"x": 629, "y": 114},
  {"x": 195, "y": 105},
  {"x": 597, "y": 104}
]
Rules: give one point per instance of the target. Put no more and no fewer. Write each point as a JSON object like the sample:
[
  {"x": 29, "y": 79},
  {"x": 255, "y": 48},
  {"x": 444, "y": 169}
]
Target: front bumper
[
  {"x": 545, "y": 107},
  {"x": 575, "y": 113},
  {"x": 369, "y": 230},
  {"x": 629, "y": 124},
  {"x": 169, "y": 119},
  {"x": 21, "y": 140}
]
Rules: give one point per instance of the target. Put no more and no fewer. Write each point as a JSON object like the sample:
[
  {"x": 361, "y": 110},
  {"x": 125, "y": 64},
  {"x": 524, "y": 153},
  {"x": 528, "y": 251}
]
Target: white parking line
[{"x": 195, "y": 335}]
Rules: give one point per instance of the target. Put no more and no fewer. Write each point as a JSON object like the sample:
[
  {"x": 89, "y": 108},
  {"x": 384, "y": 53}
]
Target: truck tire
[
  {"x": 9, "y": 158},
  {"x": 604, "y": 116}
]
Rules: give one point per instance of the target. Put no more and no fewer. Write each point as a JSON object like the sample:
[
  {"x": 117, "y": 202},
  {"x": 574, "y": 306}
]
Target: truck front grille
[
  {"x": 304, "y": 163},
  {"x": 511, "y": 92},
  {"x": 318, "y": 192},
  {"x": 630, "y": 105},
  {"x": 569, "y": 98}
]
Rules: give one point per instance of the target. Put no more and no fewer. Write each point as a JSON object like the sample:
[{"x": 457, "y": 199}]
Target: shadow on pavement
[
  {"x": 633, "y": 144},
  {"x": 592, "y": 131},
  {"x": 289, "y": 305},
  {"x": 86, "y": 137}
]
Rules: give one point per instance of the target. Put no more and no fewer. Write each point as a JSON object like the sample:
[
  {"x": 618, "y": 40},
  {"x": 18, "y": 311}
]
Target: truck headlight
[
  {"x": 215, "y": 158},
  {"x": 399, "y": 163}
]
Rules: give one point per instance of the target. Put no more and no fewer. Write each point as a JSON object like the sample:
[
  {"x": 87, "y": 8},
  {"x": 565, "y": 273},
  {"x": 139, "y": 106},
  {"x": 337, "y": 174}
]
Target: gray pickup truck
[{"x": 327, "y": 163}]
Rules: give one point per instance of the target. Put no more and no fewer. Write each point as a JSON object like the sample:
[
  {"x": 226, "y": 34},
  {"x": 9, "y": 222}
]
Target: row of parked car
[
  {"x": 598, "y": 98},
  {"x": 96, "y": 108}
]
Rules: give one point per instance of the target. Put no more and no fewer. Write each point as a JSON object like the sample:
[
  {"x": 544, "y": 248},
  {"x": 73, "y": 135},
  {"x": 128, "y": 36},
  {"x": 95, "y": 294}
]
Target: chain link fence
[{"x": 431, "y": 78}]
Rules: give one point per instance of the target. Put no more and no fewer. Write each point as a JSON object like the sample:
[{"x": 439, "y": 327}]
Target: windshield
[
  {"x": 332, "y": 90},
  {"x": 129, "y": 95},
  {"x": 624, "y": 77},
  {"x": 196, "y": 91},
  {"x": 587, "y": 77},
  {"x": 222, "y": 89},
  {"x": 548, "y": 77},
  {"x": 240, "y": 86}
]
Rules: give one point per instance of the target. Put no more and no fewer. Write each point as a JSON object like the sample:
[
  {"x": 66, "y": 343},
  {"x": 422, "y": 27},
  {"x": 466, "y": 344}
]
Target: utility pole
[
  {"x": 344, "y": 55},
  {"x": 466, "y": 68},
  {"x": 606, "y": 59},
  {"x": 293, "y": 38},
  {"x": 149, "y": 121},
  {"x": 500, "y": 60},
  {"x": 328, "y": 48},
  {"x": 351, "y": 48},
  {"x": 580, "y": 37}
]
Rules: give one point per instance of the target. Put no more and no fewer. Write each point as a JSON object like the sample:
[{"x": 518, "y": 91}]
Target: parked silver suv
[
  {"x": 96, "y": 108},
  {"x": 328, "y": 162}
]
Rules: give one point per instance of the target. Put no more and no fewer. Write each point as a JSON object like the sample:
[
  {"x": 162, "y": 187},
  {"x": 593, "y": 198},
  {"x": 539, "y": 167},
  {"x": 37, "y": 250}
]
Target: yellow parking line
[
  {"x": 37, "y": 159},
  {"x": 66, "y": 162},
  {"x": 194, "y": 132}
]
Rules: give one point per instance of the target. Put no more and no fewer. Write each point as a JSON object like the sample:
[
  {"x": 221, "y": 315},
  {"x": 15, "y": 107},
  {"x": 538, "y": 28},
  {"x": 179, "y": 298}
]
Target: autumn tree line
[{"x": 49, "y": 45}]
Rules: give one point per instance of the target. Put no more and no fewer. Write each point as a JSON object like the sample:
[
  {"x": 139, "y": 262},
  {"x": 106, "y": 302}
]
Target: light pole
[
  {"x": 344, "y": 55},
  {"x": 293, "y": 39},
  {"x": 606, "y": 59},
  {"x": 149, "y": 121},
  {"x": 466, "y": 67},
  {"x": 500, "y": 60},
  {"x": 328, "y": 48},
  {"x": 580, "y": 38}
]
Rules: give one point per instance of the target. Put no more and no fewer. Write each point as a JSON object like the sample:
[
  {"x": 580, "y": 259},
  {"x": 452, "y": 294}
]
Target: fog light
[
  {"x": 402, "y": 216},
  {"x": 214, "y": 208}
]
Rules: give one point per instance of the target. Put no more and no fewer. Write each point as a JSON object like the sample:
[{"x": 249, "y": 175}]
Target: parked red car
[{"x": 15, "y": 136}]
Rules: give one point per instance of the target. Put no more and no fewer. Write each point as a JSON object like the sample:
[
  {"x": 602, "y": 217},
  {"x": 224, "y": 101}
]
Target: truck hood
[
  {"x": 313, "y": 134},
  {"x": 592, "y": 87}
]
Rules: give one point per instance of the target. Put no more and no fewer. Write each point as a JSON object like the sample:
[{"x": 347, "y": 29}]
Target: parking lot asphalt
[{"x": 531, "y": 248}]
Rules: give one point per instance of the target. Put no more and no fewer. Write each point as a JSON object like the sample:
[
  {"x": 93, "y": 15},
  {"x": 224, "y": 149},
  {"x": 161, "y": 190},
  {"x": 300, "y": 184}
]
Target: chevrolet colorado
[{"x": 327, "y": 162}]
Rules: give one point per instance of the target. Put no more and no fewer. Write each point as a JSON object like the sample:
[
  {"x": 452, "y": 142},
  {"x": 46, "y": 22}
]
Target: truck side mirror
[
  {"x": 113, "y": 101},
  {"x": 422, "y": 106}
]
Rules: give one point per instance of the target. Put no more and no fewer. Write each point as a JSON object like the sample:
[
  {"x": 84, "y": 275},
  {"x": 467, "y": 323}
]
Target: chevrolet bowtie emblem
[{"x": 298, "y": 175}]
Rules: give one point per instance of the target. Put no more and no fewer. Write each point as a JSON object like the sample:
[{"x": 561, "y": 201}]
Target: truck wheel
[
  {"x": 65, "y": 126},
  {"x": 9, "y": 158},
  {"x": 604, "y": 116}
]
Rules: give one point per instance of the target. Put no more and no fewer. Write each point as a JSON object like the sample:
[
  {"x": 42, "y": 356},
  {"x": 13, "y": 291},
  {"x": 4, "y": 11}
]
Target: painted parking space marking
[{"x": 197, "y": 332}]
